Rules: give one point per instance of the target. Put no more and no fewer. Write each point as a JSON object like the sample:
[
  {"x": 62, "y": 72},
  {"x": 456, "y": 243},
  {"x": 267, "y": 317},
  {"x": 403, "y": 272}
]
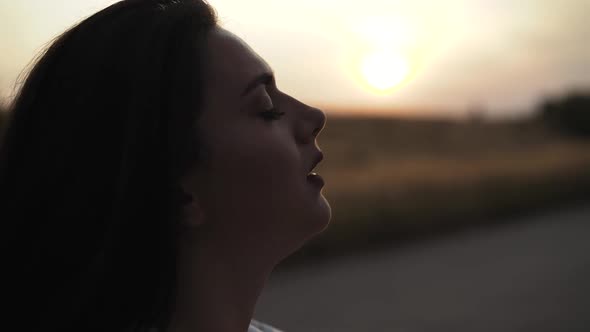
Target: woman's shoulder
[{"x": 257, "y": 326}]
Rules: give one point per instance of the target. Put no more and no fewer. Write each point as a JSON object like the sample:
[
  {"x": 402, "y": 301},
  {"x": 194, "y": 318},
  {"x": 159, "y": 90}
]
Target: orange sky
[{"x": 446, "y": 56}]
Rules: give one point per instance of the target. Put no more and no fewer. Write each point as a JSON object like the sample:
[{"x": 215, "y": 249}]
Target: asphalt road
[{"x": 521, "y": 276}]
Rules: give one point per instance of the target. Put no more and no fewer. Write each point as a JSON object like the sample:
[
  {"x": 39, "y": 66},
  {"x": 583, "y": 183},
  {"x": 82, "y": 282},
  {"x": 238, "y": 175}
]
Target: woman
[{"x": 152, "y": 176}]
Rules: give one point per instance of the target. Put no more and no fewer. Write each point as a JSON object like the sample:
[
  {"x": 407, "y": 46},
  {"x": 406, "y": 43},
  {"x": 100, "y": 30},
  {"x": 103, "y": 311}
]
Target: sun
[{"x": 383, "y": 71}]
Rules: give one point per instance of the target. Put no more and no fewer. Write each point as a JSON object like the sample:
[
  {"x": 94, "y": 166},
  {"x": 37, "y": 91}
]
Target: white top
[{"x": 256, "y": 326}]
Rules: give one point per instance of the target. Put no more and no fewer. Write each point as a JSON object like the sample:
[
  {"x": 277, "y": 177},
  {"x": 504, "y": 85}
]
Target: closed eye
[{"x": 272, "y": 114}]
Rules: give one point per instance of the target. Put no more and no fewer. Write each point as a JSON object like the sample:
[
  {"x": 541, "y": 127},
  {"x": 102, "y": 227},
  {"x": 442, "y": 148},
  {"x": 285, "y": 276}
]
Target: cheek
[{"x": 257, "y": 176}]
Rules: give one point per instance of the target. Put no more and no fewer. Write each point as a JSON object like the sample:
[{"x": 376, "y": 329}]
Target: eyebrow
[{"x": 264, "y": 78}]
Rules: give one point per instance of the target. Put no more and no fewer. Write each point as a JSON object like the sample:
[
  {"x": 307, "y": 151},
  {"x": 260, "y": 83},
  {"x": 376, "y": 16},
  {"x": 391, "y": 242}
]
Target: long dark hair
[{"x": 98, "y": 137}]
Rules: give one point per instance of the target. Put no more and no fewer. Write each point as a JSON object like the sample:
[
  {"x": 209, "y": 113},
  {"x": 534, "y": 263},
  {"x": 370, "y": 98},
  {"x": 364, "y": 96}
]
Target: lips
[{"x": 315, "y": 179}]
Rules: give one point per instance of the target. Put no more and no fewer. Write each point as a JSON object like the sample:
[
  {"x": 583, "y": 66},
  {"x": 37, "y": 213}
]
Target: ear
[{"x": 193, "y": 214}]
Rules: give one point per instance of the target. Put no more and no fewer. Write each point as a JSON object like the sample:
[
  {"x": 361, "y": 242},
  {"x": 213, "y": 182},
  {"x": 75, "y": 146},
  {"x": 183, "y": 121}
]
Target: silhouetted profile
[{"x": 152, "y": 175}]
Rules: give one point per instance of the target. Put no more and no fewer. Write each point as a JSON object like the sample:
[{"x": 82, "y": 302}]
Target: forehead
[{"x": 231, "y": 63}]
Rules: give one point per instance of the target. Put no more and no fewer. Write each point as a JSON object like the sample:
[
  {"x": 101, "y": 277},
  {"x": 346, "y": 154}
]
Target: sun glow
[
  {"x": 384, "y": 46},
  {"x": 383, "y": 71}
]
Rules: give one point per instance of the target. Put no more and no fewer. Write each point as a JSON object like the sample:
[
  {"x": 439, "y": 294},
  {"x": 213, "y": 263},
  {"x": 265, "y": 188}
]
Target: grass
[{"x": 392, "y": 179}]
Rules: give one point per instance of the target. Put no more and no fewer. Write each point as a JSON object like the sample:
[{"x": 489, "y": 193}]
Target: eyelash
[{"x": 274, "y": 115}]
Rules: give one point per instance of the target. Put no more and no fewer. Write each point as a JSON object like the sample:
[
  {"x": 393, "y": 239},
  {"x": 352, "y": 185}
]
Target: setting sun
[{"x": 383, "y": 71}]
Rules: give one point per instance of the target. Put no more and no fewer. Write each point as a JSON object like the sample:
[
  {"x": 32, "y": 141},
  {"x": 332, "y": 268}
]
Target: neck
[{"x": 218, "y": 287}]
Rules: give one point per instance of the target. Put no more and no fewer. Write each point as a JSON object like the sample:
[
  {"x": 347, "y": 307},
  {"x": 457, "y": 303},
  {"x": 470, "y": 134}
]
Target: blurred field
[{"x": 395, "y": 179}]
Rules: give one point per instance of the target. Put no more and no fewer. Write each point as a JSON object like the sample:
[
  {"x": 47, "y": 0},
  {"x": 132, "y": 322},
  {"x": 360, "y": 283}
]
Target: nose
[{"x": 314, "y": 121}]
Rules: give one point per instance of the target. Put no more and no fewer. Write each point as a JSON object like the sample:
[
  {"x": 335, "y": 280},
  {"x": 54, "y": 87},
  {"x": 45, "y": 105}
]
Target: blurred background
[{"x": 457, "y": 156}]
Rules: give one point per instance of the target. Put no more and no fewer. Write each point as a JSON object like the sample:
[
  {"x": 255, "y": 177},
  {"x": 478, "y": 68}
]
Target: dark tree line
[{"x": 569, "y": 114}]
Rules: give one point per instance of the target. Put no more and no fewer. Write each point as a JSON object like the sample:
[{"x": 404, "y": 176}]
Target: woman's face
[{"x": 253, "y": 185}]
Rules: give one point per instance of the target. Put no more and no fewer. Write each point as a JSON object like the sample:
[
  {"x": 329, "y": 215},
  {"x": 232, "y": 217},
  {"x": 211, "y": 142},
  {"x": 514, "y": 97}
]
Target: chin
[
  {"x": 326, "y": 215},
  {"x": 321, "y": 219}
]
